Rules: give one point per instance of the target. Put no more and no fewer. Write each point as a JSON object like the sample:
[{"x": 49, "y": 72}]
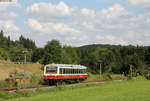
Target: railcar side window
[
  {"x": 51, "y": 70},
  {"x": 72, "y": 71},
  {"x": 61, "y": 70}
]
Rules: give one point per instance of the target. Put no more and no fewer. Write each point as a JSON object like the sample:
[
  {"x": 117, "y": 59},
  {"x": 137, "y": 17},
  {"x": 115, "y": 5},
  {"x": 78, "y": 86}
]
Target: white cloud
[
  {"x": 140, "y": 3},
  {"x": 5, "y": 12},
  {"x": 34, "y": 25},
  {"x": 114, "y": 40},
  {"x": 10, "y": 29},
  {"x": 51, "y": 28},
  {"x": 49, "y": 11},
  {"x": 7, "y": 15},
  {"x": 88, "y": 12},
  {"x": 6, "y": 5},
  {"x": 9, "y": 26},
  {"x": 81, "y": 38},
  {"x": 13, "y": 35},
  {"x": 115, "y": 11},
  {"x": 113, "y": 25}
]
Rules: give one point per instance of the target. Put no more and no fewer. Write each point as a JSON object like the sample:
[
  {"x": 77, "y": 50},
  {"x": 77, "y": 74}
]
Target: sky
[{"x": 77, "y": 22}]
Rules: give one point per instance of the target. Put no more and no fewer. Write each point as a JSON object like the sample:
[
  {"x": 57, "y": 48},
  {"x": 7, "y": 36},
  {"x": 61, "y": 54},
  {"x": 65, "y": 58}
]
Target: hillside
[
  {"x": 6, "y": 69},
  {"x": 98, "y": 46}
]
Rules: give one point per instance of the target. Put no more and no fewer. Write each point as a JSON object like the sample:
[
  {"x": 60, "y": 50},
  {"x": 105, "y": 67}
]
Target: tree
[
  {"x": 16, "y": 53},
  {"x": 52, "y": 52},
  {"x": 37, "y": 55},
  {"x": 69, "y": 55},
  {"x": 5, "y": 42},
  {"x": 3, "y": 54},
  {"x": 147, "y": 56},
  {"x": 26, "y": 42}
]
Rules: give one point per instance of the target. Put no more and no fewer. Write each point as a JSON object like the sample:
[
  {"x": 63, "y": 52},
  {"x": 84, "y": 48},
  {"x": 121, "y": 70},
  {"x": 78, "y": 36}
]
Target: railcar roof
[{"x": 67, "y": 65}]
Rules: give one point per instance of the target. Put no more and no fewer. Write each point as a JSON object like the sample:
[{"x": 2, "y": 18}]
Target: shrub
[
  {"x": 118, "y": 76},
  {"x": 24, "y": 93},
  {"x": 3, "y": 54},
  {"x": 5, "y": 95},
  {"x": 140, "y": 77},
  {"x": 107, "y": 76},
  {"x": 35, "y": 80},
  {"x": 4, "y": 84}
]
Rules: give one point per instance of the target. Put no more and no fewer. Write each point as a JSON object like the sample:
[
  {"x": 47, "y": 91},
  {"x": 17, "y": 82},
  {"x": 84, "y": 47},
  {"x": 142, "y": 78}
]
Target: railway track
[{"x": 48, "y": 87}]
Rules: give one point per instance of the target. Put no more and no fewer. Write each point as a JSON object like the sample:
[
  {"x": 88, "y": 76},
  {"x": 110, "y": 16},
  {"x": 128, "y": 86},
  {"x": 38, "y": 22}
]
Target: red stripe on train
[{"x": 64, "y": 76}]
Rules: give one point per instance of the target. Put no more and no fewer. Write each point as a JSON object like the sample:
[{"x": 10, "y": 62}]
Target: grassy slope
[
  {"x": 123, "y": 91},
  {"x": 5, "y": 69}
]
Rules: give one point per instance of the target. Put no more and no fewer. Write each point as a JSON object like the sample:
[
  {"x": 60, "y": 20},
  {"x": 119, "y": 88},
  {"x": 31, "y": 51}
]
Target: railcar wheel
[
  {"x": 77, "y": 80},
  {"x": 60, "y": 82}
]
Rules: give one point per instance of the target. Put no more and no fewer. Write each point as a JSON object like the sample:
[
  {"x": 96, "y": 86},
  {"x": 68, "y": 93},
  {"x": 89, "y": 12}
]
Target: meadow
[{"x": 112, "y": 91}]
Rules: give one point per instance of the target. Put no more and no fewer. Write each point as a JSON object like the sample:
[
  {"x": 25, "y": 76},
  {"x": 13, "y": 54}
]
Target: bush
[
  {"x": 118, "y": 76},
  {"x": 90, "y": 74},
  {"x": 107, "y": 76},
  {"x": 3, "y": 54},
  {"x": 5, "y": 95},
  {"x": 24, "y": 93},
  {"x": 35, "y": 80},
  {"x": 2, "y": 84},
  {"x": 140, "y": 77},
  {"x": 93, "y": 77}
]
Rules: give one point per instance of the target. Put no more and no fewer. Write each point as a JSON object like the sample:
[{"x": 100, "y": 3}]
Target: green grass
[
  {"x": 94, "y": 77},
  {"x": 118, "y": 91}
]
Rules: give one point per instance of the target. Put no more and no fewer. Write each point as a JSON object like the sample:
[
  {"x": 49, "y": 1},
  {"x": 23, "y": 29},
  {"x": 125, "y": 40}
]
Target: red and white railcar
[{"x": 64, "y": 72}]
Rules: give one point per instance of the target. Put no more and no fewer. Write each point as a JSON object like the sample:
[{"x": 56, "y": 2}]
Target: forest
[{"x": 113, "y": 58}]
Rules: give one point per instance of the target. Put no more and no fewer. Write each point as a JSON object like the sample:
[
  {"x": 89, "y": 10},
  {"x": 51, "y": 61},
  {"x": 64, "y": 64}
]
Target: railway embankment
[{"x": 7, "y": 68}]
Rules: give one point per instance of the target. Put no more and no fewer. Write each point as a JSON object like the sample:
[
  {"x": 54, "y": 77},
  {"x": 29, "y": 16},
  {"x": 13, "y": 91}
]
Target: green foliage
[
  {"x": 13, "y": 50},
  {"x": 16, "y": 53},
  {"x": 118, "y": 76},
  {"x": 4, "y": 55},
  {"x": 4, "y": 95},
  {"x": 27, "y": 43},
  {"x": 5, "y": 42},
  {"x": 37, "y": 55},
  {"x": 52, "y": 52},
  {"x": 24, "y": 93},
  {"x": 7, "y": 95},
  {"x": 3, "y": 84},
  {"x": 107, "y": 76},
  {"x": 36, "y": 80},
  {"x": 140, "y": 77},
  {"x": 115, "y": 59},
  {"x": 69, "y": 55}
]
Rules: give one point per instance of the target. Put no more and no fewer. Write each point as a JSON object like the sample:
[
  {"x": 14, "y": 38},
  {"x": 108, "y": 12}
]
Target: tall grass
[
  {"x": 30, "y": 69},
  {"x": 31, "y": 80},
  {"x": 105, "y": 76}
]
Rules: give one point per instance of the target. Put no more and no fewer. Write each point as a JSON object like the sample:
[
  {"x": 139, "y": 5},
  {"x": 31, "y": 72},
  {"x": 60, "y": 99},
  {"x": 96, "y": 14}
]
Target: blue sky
[{"x": 78, "y": 22}]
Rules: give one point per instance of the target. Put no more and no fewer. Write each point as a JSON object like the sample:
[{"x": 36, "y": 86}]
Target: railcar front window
[{"x": 51, "y": 70}]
